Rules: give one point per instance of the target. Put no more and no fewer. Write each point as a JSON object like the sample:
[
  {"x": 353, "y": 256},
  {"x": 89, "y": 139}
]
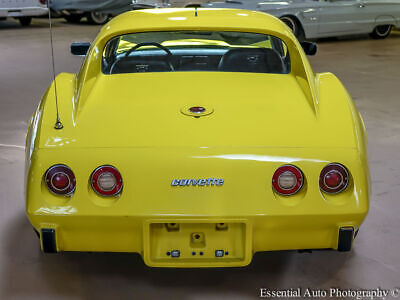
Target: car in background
[
  {"x": 96, "y": 12},
  {"x": 23, "y": 11},
  {"x": 326, "y": 18},
  {"x": 93, "y": 17},
  {"x": 143, "y": 4},
  {"x": 99, "y": 12}
]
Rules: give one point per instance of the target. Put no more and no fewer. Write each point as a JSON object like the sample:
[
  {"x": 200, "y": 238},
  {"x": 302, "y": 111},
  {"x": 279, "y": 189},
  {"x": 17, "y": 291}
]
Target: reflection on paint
[
  {"x": 266, "y": 158},
  {"x": 274, "y": 3},
  {"x": 309, "y": 10},
  {"x": 177, "y": 18},
  {"x": 57, "y": 141},
  {"x": 12, "y": 146},
  {"x": 64, "y": 210},
  {"x": 162, "y": 11}
]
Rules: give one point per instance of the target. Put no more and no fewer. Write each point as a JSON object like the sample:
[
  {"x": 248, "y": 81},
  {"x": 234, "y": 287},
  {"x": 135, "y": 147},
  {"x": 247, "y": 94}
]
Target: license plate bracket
[{"x": 198, "y": 243}]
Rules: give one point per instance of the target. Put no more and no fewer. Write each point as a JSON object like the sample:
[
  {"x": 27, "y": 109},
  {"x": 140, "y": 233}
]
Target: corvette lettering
[{"x": 198, "y": 182}]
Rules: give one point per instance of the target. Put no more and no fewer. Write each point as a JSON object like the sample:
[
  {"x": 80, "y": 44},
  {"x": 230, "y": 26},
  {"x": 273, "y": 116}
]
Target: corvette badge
[{"x": 198, "y": 182}]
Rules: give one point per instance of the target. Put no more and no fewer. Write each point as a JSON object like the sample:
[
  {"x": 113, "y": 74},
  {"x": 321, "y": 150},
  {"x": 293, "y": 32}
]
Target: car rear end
[
  {"x": 197, "y": 207},
  {"x": 197, "y": 147},
  {"x": 186, "y": 187}
]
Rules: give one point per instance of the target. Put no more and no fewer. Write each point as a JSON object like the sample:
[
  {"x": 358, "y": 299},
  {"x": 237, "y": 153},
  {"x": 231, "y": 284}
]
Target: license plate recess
[{"x": 201, "y": 243}]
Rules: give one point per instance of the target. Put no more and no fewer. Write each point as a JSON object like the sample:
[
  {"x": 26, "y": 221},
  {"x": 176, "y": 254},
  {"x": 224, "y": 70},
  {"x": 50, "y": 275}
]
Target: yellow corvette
[{"x": 196, "y": 138}]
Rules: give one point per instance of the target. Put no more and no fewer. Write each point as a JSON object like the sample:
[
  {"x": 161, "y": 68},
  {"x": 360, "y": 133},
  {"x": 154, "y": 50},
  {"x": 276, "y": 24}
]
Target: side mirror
[
  {"x": 309, "y": 48},
  {"x": 80, "y": 49},
  {"x": 193, "y": 5}
]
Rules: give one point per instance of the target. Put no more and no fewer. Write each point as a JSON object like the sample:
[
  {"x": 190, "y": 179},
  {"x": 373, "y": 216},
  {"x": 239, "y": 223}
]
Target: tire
[
  {"x": 73, "y": 18},
  {"x": 381, "y": 32},
  {"x": 25, "y": 21},
  {"x": 294, "y": 24},
  {"x": 97, "y": 18}
]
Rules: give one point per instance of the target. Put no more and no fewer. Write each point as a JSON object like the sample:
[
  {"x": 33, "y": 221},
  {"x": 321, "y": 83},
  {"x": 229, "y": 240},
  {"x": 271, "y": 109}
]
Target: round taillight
[
  {"x": 106, "y": 181},
  {"x": 334, "y": 178},
  {"x": 287, "y": 180},
  {"x": 60, "y": 180}
]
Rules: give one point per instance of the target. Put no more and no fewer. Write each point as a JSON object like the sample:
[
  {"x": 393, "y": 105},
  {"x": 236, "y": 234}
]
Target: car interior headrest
[
  {"x": 139, "y": 64},
  {"x": 254, "y": 60}
]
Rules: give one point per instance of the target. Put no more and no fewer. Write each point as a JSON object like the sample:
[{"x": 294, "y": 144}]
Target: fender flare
[{"x": 385, "y": 20}]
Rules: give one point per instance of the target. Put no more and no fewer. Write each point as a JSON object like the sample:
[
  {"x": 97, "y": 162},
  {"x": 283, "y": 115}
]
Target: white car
[
  {"x": 22, "y": 10},
  {"x": 96, "y": 12},
  {"x": 325, "y": 18}
]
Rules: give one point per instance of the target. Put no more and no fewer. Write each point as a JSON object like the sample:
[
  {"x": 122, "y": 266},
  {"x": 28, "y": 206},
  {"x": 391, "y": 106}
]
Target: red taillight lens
[
  {"x": 334, "y": 179},
  {"x": 287, "y": 180},
  {"x": 43, "y": 1},
  {"x": 106, "y": 181},
  {"x": 60, "y": 180}
]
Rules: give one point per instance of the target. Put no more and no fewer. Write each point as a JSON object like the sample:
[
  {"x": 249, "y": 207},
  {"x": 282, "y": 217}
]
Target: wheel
[
  {"x": 381, "y": 32},
  {"x": 75, "y": 18},
  {"x": 293, "y": 24},
  {"x": 25, "y": 21},
  {"x": 97, "y": 18}
]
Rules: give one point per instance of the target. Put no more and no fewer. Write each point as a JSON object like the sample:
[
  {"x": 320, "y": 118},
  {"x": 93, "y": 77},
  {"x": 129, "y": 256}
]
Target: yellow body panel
[{"x": 258, "y": 123}]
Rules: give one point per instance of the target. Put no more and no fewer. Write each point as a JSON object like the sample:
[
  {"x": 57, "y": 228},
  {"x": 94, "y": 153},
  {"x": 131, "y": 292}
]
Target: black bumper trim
[
  {"x": 346, "y": 236},
  {"x": 48, "y": 238}
]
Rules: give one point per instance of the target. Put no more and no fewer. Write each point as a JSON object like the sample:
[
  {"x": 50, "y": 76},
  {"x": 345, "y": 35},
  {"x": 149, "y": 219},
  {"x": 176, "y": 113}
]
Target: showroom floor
[{"x": 371, "y": 71}]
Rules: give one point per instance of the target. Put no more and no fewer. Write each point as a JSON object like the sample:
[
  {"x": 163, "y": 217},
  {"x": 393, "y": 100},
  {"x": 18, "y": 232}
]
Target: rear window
[{"x": 177, "y": 51}]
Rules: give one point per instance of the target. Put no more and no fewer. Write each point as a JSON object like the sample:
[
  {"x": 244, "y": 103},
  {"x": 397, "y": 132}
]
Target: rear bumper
[
  {"x": 260, "y": 219},
  {"x": 154, "y": 238},
  {"x": 23, "y": 12}
]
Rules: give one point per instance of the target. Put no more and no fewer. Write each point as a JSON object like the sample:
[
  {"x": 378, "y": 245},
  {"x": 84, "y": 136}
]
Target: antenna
[{"x": 58, "y": 124}]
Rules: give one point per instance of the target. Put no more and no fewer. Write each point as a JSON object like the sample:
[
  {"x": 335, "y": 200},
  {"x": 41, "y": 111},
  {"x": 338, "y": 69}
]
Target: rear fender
[{"x": 385, "y": 20}]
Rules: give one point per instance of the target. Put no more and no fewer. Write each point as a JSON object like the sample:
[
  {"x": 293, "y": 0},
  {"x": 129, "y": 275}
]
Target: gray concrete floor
[{"x": 370, "y": 70}]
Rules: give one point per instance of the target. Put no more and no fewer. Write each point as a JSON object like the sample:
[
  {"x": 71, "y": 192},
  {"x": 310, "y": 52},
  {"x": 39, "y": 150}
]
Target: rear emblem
[
  {"x": 197, "y": 111},
  {"x": 198, "y": 182}
]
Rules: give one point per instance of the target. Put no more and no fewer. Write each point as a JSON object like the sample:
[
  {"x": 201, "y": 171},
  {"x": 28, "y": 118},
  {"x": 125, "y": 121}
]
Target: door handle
[{"x": 361, "y": 5}]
